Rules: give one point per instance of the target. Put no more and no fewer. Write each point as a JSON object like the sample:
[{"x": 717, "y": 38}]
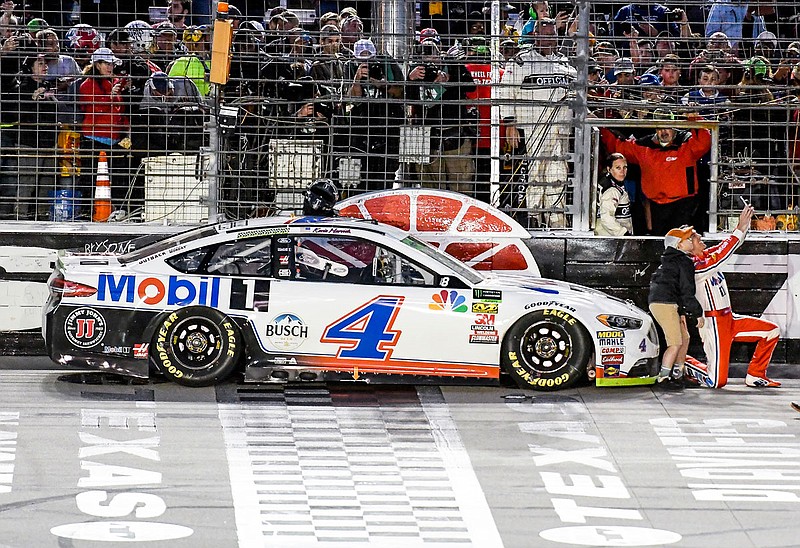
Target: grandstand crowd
[{"x": 331, "y": 92}]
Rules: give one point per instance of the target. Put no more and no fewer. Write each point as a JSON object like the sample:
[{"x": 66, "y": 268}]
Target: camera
[
  {"x": 625, "y": 27},
  {"x": 431, "y": 72},
  {"x": 376, "y": 71},
  {"x": 675, "y": 15}
]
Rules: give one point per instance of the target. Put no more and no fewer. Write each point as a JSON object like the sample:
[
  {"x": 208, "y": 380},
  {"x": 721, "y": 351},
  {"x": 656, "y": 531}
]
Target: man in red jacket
[{"x": 669, "y": 175}]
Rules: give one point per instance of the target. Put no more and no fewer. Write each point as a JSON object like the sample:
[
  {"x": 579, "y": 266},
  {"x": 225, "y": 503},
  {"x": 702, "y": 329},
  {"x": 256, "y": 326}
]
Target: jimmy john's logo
[
  {"x": 485, "y": 308},
  {"x": 85, "y": 327}
]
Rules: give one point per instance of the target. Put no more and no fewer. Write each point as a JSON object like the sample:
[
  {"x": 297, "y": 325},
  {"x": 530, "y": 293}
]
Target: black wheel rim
[
  {"x": 545, "y": 347},
  {"x": 196, "y": 342}
]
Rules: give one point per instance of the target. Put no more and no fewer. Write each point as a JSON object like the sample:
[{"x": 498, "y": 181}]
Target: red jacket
[
  {"x": 104, "y": 114},
  {"x": 668, "y": 173}
]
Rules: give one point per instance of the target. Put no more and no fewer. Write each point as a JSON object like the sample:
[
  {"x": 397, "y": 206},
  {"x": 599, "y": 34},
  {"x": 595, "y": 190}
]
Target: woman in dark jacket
[{"x": 36, "y": 138}]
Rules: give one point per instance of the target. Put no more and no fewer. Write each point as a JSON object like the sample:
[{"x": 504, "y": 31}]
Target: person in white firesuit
[
  {"x": 533, "y": 101},
  {"x": 722, "y": 326}
]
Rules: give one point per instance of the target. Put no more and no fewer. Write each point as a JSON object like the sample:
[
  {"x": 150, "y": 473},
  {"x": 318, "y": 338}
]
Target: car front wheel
[
  {"x": 196, "y": 346},
  {"x": 546, "y": 352}
]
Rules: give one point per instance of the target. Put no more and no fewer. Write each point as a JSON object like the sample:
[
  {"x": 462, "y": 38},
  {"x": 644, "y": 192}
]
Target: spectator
[
  {"x": 36, "y": 140},
  {"x": 328, "y": 68},
  {"x": 766, "y": 45},
  {"x": 81, "y": 41},
  {"x": 621, "y": 91},
  {"x": 131, "y": 66},
  {"x": 647, "y": 19},
  {"x": 373, "y": 132},
  {"x": 105, "y": 121},
  {"x": 196, "y": 66},
  {"x": 667, "y": 160},
  {"x": 672, "y": 302},
  {"x": 62, "y": 70},
  {"x": 437, "y": 87},
  {"x": 614, "y": 208},
  {"x": 178, "y": 12},
  {"x": 790, "y": 59},
  {"x": 717, "y": 52},
  {"x": 722, "y": 327},
  {"x": 540, "y": 117},
  {"x": 480, "y": 68},
  {"x": 9, "y": 23},
  {"x": 727, "y": 16},
  {"x": 707, "y": 94},
  {"x": 669, "y": 72},
  {"x": 164, "y": 50},
  {"x": 329, "y": 18},
  {"x": 247, "y": 59},
  {"x": 606, "y": 56},
  {"x": 759, "y": 134},
  {"x": 352, "y": 31}
]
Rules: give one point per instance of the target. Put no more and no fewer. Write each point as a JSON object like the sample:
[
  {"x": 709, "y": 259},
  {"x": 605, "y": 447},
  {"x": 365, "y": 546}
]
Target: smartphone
[{"x": 744, "y": 201}]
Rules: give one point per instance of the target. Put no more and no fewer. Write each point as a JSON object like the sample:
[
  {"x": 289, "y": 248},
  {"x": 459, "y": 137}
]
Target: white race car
[{"x": 288, "y": 299}]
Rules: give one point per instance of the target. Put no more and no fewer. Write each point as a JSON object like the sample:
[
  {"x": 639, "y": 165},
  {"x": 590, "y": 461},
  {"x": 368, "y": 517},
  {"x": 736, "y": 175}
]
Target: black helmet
[{"x": 320, "y": 197}]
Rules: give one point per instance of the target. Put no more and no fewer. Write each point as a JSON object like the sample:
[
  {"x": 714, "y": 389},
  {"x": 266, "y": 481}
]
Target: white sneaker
[{"x": 760, "y": 382}]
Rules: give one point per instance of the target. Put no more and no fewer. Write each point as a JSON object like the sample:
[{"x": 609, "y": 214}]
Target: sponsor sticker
[
  {"x": 484, "y": 339},
  {"x": 484, "y": 319},
  {"x": 255, "y": 233},
  {"x": 612, "y": 350},
  {"x": 549, "y": 304},
  {"x": 615, "y": 359},
  {"x": 611, "y": 338},
  {"x": 85, "y": 327},
  {"x": 286, "y": 332},
  {"x": 116, "y": 349},
  {"x": 485, "y": 308},
  {"x": 140, "y": 351},
  {"x": 487, "y": 295}
]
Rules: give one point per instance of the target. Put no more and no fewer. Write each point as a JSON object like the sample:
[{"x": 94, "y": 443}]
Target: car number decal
[{"x": 366, "y": 332}]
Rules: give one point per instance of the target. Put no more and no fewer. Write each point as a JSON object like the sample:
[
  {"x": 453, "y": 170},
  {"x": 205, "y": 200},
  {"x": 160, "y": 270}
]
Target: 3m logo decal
[{"x": 85, "y": 327}]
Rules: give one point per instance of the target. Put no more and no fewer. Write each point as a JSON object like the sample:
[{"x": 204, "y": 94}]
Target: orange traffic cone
[{"x": 102, "y": 191}]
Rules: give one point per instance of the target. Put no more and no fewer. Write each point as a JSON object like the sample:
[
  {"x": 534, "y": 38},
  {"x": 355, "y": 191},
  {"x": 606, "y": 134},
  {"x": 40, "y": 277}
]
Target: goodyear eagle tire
[
  {"x": 546, "y": 350},
  {"x": 196, "y": 346}
]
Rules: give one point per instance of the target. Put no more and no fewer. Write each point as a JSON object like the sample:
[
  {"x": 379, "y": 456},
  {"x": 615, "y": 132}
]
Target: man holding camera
[
  {"x": 374, "y": 117},
  {"x": 651, "y": 20},
  {"x": 437, "y": 89}
]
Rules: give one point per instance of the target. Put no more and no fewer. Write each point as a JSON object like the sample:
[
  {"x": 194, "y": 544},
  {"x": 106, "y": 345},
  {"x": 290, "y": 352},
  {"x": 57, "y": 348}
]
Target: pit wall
[{"x": 764, "y": 278}]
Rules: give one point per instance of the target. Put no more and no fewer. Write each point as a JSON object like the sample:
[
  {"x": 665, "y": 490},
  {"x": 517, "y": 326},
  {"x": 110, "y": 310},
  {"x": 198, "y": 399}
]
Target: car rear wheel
[
  {"x": 196, "y": 346},
  {"x": 546, "y": 351}
]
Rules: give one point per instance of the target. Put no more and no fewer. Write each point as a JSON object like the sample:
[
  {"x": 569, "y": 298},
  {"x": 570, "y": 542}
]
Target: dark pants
[{"x": 672, "y": 215}]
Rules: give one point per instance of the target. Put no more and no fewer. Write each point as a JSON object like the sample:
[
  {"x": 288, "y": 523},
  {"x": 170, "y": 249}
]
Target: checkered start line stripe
[{"x": 377, "y": 475}]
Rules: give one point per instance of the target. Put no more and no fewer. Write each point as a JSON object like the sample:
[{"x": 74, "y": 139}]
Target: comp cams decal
[{"x": 85, "y": 327}]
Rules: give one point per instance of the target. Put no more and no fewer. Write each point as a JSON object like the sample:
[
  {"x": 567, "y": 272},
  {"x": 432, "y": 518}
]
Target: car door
[{"x": 356, "y": 305}]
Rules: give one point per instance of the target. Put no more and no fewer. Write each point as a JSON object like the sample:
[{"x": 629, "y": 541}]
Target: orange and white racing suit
[{"x": 722, "y": 326}]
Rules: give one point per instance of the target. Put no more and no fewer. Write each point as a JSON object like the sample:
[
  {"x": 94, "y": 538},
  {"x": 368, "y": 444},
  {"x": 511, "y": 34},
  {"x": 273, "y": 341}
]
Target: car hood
[{"x": 554, "y": 288}]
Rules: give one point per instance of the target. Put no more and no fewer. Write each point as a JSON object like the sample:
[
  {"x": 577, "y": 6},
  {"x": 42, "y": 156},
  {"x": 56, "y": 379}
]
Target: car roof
[{"x": 343, "y": 222}]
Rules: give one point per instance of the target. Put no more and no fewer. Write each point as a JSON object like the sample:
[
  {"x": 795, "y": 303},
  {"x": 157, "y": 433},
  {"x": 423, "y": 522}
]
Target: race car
[{"x": 333, "y": 299}]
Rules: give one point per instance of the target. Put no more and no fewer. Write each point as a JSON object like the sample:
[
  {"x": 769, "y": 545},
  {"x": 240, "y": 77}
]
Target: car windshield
[
  {"x": 469, "y": 274},
  {"x": 162, "y": 245}
]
